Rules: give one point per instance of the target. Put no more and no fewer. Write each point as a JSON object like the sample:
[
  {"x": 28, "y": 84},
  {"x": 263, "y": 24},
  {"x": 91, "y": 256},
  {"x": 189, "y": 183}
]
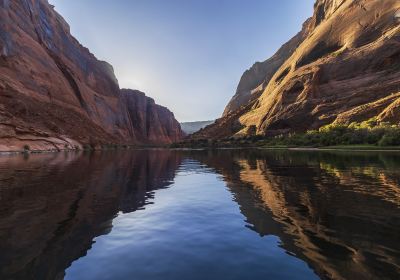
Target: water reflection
[
  {"x": 52, "y": 206},
  {"x": 339, "y": 212}
]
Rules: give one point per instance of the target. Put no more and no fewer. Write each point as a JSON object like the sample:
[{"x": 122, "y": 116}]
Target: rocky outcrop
[
  {"x": 151, "y": 123},
  {"x": 54, "y": 93},
  {"x": 342, "y": 67},
  {"x": 254, "y": 80}
]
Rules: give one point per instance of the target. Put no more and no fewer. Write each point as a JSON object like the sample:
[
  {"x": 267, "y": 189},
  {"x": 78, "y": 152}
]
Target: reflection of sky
[
  {"x": 187, "y": 54},
  {"x": 193, "y": 230}
]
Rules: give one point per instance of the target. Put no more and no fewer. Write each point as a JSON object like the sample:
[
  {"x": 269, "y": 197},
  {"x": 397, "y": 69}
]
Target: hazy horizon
[{"x": 187, "y": 55}]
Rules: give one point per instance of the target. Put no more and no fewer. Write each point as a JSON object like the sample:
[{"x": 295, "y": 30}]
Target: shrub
[
  {"x": 87, "y": 147},
  {"x": 368, "y": 132},
  {"x": 390, "y": 138}
]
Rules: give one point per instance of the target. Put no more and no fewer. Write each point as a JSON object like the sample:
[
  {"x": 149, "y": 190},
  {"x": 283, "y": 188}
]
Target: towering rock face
[
  {"x": 342, "y": 67},
  {"x": 151, "y": 123},
  {"x": 255, "y": 79},
  {"x": 54, "y": 93}
]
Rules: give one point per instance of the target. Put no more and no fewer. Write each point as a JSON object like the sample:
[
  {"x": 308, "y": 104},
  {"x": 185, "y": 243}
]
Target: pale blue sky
[{"x": 187, "y": 54}]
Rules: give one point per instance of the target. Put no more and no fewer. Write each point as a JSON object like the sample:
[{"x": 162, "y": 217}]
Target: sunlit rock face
[
  {"x": 342, "y": 67},
  {"x": 54, "y": 92},
  {"x": 255, "y": 79}
]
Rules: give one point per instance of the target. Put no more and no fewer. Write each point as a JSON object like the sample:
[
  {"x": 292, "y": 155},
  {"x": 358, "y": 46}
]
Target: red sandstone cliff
[
  {"x": 344, "y": 66},
  {"x": 150, "y": 122},
  {"x": 55, "y": 94}
]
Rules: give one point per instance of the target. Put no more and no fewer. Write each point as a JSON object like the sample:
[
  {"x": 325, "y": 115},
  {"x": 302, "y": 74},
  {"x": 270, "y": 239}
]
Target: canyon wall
[
  {"x": 55, "y": 94},
  {"x": 342, "y": 67}
]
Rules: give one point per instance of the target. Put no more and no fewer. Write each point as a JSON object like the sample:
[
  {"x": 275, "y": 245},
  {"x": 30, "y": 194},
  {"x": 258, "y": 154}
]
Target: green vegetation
[
  {"x": 365, "y": 135},
  {"x": 107, "y": 147},
  {"x": 26, "y": 148},
  {"x": 362, "y": 147},
  {"x": 88, "y": 147},
  {"x": 231, "y": 142}
]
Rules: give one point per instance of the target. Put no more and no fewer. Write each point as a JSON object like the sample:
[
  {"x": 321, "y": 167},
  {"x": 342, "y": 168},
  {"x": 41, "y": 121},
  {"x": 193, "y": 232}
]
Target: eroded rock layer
[
  {"x": 54, "y": 93},
  {"x": 344, "y": 66}
]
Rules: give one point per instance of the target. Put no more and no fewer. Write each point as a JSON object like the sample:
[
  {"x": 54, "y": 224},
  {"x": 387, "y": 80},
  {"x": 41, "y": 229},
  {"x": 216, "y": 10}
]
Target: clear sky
[{"x": 187, "y": 54}]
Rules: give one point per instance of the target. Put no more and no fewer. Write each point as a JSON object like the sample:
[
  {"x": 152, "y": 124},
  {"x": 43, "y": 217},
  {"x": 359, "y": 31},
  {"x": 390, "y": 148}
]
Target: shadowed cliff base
[{"x": 370, "y": 134}]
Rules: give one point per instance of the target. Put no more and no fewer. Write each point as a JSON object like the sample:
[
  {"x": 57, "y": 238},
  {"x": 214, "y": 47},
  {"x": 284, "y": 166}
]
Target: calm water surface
[{"x": 228, "y": 214}]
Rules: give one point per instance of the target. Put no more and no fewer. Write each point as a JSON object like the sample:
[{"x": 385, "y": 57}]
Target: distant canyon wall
[{"x": 192, "y": 127}]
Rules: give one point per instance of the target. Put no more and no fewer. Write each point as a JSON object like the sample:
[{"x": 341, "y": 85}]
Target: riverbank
[
  {"x": 253, "y": 142},
  {"x": 85, "y": 148},
  {"x": 358, "y": 148},
  {"x": 368, "y": 135}
]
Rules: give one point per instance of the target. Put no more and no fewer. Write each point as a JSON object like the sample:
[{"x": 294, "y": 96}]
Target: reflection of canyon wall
[
  {"x": 52, "y": 206},
  {"x": 343, "y": 220}
]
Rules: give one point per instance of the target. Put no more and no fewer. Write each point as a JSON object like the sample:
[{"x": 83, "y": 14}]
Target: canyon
[
  {"x": 55, "y": 94},
  {"x": 199, "y": 213},
  {"x": 342, "y": 67}
]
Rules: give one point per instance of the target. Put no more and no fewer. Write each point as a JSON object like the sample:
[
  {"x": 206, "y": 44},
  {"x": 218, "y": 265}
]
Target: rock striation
[
  {"x": 150, "y": 122},
  {"x": 344, "y": 66},
  {"x": 55, "y": 94}
]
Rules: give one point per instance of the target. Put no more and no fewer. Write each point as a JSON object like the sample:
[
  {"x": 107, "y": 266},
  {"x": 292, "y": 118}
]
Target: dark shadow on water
[
  {"x": 339, "y": 212},
  {"x": 53, "y": 205}
]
